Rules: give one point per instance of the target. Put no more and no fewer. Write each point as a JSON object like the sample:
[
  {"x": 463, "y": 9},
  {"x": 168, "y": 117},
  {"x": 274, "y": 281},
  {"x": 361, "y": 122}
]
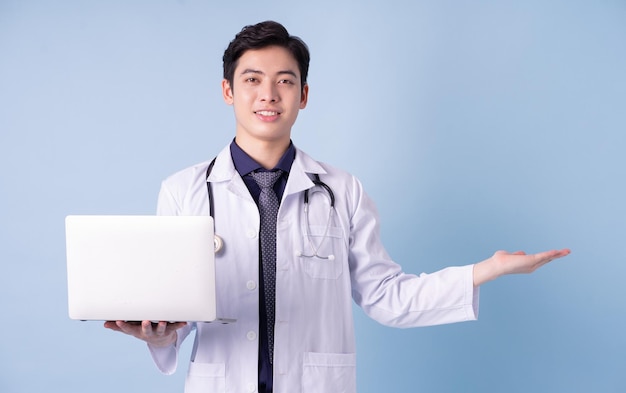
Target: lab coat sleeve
[
  {"x": 167, "y": 204},
  {"x": 393, "y": 297},
  {"x": 166, "y": 358}
]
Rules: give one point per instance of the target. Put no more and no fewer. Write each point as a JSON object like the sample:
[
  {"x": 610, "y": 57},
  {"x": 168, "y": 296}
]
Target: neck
[{"x": 266, "y": 153}]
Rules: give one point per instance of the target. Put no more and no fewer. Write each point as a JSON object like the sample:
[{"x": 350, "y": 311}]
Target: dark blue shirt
[{"x": 246, "y": 165}]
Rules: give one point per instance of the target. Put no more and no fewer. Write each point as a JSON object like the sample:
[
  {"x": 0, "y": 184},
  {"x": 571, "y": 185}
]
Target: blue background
[{"x": 475, "y": 125}]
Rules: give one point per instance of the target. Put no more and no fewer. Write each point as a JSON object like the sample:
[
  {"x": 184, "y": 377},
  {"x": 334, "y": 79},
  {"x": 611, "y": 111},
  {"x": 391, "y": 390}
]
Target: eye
[
  {"x": 251, "y": 79},
  {"x": 286, "y": 81}
]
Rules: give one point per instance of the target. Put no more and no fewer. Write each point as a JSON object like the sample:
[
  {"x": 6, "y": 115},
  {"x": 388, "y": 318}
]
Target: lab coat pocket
[
  {"x": 206, "y": 377},
  {"x": 323, "y": 252},
  {"x": 329, "y": 372}
]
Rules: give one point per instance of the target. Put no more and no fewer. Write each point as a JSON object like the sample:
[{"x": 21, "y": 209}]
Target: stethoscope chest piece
[{"x": 218, "y": 243}]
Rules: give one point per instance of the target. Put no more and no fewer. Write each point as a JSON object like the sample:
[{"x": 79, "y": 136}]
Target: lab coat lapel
[
  {"x": 224, "y": 171},
  {"x": 299, "y": 179}
]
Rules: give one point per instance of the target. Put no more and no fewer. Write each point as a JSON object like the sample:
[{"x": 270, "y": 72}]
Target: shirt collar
[{"x": 246, "y": 164}]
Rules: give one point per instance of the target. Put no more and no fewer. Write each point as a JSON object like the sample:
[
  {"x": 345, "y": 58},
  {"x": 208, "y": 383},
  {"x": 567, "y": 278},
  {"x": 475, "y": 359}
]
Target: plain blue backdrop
[{"x": 475, "y": 125}]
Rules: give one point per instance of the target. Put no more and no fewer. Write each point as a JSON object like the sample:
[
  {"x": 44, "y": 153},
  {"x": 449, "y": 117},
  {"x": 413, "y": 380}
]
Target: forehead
[{"x": 269, "y": 60}]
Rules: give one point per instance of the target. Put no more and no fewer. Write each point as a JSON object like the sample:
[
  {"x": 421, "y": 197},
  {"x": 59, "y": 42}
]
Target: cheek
[
  {"x": 244, "y": 96},
  {"x": 240, "y": 101}
]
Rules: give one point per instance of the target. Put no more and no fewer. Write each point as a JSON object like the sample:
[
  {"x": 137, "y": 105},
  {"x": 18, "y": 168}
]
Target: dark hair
[{"x": 260, "y": 36}]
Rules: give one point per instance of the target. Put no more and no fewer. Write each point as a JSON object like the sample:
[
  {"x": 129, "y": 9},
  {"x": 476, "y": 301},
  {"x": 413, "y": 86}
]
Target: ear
[
  {"x": 304, "y": 97},
  {"x": 227, "y": 92}
]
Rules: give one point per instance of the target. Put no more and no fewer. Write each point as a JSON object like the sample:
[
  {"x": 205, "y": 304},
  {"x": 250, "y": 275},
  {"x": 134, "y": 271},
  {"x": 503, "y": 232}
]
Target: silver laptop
[{"x": 135, "y": 268}]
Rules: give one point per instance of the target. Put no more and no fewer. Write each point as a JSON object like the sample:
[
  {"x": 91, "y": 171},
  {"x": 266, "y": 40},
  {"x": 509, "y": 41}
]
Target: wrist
[{"x": 485, "y": 271}]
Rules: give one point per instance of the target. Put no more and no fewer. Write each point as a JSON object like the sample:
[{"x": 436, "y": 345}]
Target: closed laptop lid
[{"x": 134, "y": 268}]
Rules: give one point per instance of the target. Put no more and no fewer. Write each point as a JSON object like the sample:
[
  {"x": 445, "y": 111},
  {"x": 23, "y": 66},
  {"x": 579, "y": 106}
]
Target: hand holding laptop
[{"x": 159, "y": 334}]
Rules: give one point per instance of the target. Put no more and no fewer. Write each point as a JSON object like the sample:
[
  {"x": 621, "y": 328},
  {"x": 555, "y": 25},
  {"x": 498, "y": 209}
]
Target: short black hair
[{"x": 262, "y": 35}]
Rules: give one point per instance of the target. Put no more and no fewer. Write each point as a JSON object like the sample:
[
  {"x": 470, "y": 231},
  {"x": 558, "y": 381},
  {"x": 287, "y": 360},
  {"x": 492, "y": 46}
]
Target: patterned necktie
[{"x": 268, "y": 209}]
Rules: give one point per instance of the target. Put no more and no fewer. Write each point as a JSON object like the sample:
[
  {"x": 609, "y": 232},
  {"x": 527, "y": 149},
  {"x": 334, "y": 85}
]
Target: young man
[{"x": 290, "y": 287}]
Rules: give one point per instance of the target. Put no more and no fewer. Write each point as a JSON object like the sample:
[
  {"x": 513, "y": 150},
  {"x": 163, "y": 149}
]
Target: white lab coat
[{"x": 314, "y": 338}]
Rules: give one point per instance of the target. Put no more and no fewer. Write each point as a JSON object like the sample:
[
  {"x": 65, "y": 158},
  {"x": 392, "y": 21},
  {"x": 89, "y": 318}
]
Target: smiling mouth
[{"x": 267, "y": 113}]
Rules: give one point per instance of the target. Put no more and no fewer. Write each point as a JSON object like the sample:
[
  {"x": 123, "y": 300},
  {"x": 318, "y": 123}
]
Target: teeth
[{"x": 267, "y": 113}]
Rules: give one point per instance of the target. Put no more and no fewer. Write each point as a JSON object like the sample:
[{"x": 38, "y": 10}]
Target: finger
[
  {"x": 120, "y": 326},
  {"x": 112, "y": 325},
  {"x": 146, "y": 328},
  {"x": 160, "y": 328},
  {"x": 548, "y": 256},
  {"x": 127, "y": 327},
  {"x": 564, "y": 252},
  {"x": 123, "y": 326}
]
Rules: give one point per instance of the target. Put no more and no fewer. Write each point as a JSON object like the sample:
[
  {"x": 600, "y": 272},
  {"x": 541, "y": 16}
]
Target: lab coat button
[
  {"x": 251, "y": 285},
  {"x": 251, "y": 335}
]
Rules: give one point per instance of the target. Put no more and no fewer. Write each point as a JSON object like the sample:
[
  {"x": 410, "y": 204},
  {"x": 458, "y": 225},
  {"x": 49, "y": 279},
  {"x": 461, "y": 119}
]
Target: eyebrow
[{"x": 253, "y": 71}]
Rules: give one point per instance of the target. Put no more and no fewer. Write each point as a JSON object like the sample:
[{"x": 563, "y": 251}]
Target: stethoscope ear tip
[{"x": 331, "y": 257}]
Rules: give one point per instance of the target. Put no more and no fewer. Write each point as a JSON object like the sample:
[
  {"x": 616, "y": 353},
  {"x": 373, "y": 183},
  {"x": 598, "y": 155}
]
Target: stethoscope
[{"x": 219, "y": 243}]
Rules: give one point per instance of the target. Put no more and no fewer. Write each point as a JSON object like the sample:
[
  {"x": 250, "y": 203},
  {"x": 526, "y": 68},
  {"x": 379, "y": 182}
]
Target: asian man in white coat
[{"x": 294, "y": 330}]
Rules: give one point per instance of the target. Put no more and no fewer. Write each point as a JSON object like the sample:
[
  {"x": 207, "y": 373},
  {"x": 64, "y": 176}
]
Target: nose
[{"x": 269, "y": 93}]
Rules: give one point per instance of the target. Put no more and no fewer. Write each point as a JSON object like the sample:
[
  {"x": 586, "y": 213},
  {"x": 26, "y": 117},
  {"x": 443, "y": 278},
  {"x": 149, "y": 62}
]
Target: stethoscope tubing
[{"x": 219, "y": 243}]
